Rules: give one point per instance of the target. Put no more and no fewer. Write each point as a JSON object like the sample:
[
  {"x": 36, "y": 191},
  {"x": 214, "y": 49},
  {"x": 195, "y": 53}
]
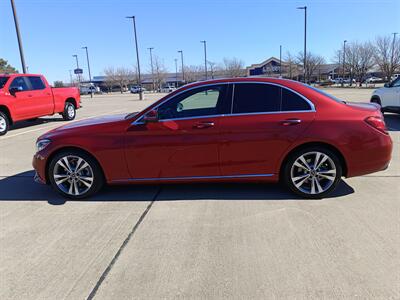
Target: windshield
[
  {"x": 325, "y": 94},
  {"x": 3, "y": 81}
]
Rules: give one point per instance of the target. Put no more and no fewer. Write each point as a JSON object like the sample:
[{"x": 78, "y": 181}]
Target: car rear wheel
[
  {"x": 69, "y": 111},
  {"x": 4, "y": 123},
  {"x": 75, "y": 174},
  {"x": 312, "y": 172}
]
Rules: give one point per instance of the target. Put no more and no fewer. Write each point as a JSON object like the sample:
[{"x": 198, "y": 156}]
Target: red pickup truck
[{"x": 29, "y": 96}]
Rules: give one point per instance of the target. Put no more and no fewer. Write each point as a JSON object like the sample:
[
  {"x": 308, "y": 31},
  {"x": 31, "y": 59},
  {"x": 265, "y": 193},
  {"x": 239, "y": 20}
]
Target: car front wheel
[
  {"x": 75, "y": 174},
  {"x": 312, "y": 172}
]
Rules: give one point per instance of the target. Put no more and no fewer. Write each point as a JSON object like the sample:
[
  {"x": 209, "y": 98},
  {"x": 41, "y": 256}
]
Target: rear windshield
[
  {"x": 325, "y": 94},
  {"x": 3, "y": 81}
]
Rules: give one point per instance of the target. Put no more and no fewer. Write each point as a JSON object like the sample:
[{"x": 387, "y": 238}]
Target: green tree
[{"x": 5, "y": 67}]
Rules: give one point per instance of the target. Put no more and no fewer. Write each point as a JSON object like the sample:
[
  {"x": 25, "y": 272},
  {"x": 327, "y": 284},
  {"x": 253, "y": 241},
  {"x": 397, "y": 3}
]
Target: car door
[
  {"x": 395, "y": 87},
  {"x": 266, "y": 119},
  {"x": 184, "y": 141},
  {"x": 23, "y": 102},
  {"x": 42, "y": 96}
]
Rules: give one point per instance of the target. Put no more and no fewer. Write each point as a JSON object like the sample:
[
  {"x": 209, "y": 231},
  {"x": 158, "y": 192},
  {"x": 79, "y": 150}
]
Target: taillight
[{"x": 378, "y": 123}]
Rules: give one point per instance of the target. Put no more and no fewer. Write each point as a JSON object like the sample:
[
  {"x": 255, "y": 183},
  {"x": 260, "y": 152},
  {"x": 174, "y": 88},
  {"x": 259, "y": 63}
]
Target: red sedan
[{"x": 247, "y": 129}]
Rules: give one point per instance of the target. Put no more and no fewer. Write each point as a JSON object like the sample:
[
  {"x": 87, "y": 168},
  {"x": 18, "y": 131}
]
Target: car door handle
[
  {"x": 30, "y": 95},
  {"x": 290, "y": 122},
  {"x": 203, "y": 125}
]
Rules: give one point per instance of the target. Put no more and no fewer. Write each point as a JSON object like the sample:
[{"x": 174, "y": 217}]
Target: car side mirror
[
  {"x": 14, "y": 90},
  {"x": 151, "y": 116},
  {"x": 386, "y": 85}
]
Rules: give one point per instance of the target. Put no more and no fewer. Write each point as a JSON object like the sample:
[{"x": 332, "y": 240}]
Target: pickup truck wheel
[
  {"x": 4, "y": 123},
  {"x": 69, "y": 112}
]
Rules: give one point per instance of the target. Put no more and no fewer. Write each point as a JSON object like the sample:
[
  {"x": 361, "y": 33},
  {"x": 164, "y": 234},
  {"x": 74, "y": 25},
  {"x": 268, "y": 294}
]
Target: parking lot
[{"x": 241, "y": 241}]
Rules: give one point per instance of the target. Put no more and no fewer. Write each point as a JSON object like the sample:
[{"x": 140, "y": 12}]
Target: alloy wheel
[
  {"x": 313, "y": 172},
  {"x": 73, "y": 175},
  {"x": 71, "y": 111},
  {"x": 3, "y": 124}
]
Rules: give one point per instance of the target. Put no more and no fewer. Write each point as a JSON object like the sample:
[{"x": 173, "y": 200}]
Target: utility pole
[
  {"x": 280, "y": 61},
  {"x": 176, "y": 73},
  {"x": 77, "y": 66},
  {"x": 305, "y": 42},
  {"x": 21, "y": 50},
  {"x": 90, "y": 75},
  {"x": 183, "y": 71},
  {"x": 205, "y": 56},
  {"x": 152, "y": 70},
  {"x": 344, "y": 60},
  {"x": 137, "y": 57}
]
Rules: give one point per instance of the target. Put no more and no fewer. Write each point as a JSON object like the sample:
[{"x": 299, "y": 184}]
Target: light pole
[
  {"x": 205, "y": 56},
  {"x": 305, "y": 41},
  {"x": 70, "y": 77},
  {"x": 21, "y": 50},
  {"x": 137, "y": 57},
  {"x": 176, "y": 73},
  {"x": 77, "y": 66},
  {"x": 280, "y": 61},
  {"x": 183, "y": 71},
  {"x": 392, "y": 56},
  {"x": 90, "y": 75},
  {"x": 151, "y": 64},
  {"x": 344, "y": 60}
]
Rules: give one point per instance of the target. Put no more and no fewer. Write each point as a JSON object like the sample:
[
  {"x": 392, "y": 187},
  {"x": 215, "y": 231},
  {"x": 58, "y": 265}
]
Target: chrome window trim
[
  {"x": 195, "y": 177},
  {"x": 139, "y": 121}
]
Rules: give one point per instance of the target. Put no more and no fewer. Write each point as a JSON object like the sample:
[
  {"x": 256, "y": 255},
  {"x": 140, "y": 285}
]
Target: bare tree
[
  {"x": 387, "y": 55},
  {"x": 160, "y": 72},
  {"x": 110, "y": 78},
  {"x": 233, "y": 67},
  {"x": 359, "y": 59},
  {"x": 193, "y": 73},
  {"x": 313, "y": 62},
  {"x": 291, "y": 65}
]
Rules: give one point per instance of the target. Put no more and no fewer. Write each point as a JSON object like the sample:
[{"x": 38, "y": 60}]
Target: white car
[
  {"x": 388, "y": 97},
  {"x": 373, "y": 79}
]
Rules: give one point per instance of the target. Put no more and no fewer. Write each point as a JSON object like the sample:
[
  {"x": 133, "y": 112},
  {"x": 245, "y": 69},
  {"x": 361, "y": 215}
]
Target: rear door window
[
  {"x": 256, "y": 98},
  {"x": 36, "y": 83}
]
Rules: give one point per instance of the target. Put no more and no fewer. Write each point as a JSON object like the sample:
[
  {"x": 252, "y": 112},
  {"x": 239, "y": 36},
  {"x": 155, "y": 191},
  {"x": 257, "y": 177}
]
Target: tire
[
  {"x": 69, "y": 112},
  {"x": 72, "y": 183},
  {"x": 302, "y": 178},
  {"x": 4, "y": 123}
]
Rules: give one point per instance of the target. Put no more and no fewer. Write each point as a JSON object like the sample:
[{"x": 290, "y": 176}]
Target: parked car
[
  {"x": 29, "y": 96},
  {"x": 168, "y": 89},
  {"x": 373, "y": 80},
  {"x": 243, "y": 129},
  {"x": 88, "y": 89},
  {"x": 395, "y": 76},
  {"x": 388, "y": 97},
  {"x": 136, "y": 89}
]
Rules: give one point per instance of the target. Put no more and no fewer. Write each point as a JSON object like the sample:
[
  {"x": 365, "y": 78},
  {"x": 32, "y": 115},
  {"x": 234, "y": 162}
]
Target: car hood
[{"x": 93, "y": 121}]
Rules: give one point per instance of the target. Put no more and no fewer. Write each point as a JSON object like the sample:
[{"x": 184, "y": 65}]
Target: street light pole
[
  {"x": 392, "y": 56},
  {"x": 70, "y": 77},
  {"x": 183, "y": 71},
  {"x": 90, "y": 75},
  {"x": 176, "y": 73},
  {"x": 77, "y": 66},
  {"x": 344, "y": 60},
  {"x": 137, "y": 57},
  {"x": 305, "y": 42},
  {"x": 151, "y": 64},
  {"x": 280, "y": 61},
  {"x": 205, "y": 56},
  {"x": 21, "y": 50}
]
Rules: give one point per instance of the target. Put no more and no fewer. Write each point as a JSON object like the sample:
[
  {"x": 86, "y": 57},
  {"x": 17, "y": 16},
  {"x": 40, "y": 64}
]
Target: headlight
[{"x": 41, "y": 144}]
